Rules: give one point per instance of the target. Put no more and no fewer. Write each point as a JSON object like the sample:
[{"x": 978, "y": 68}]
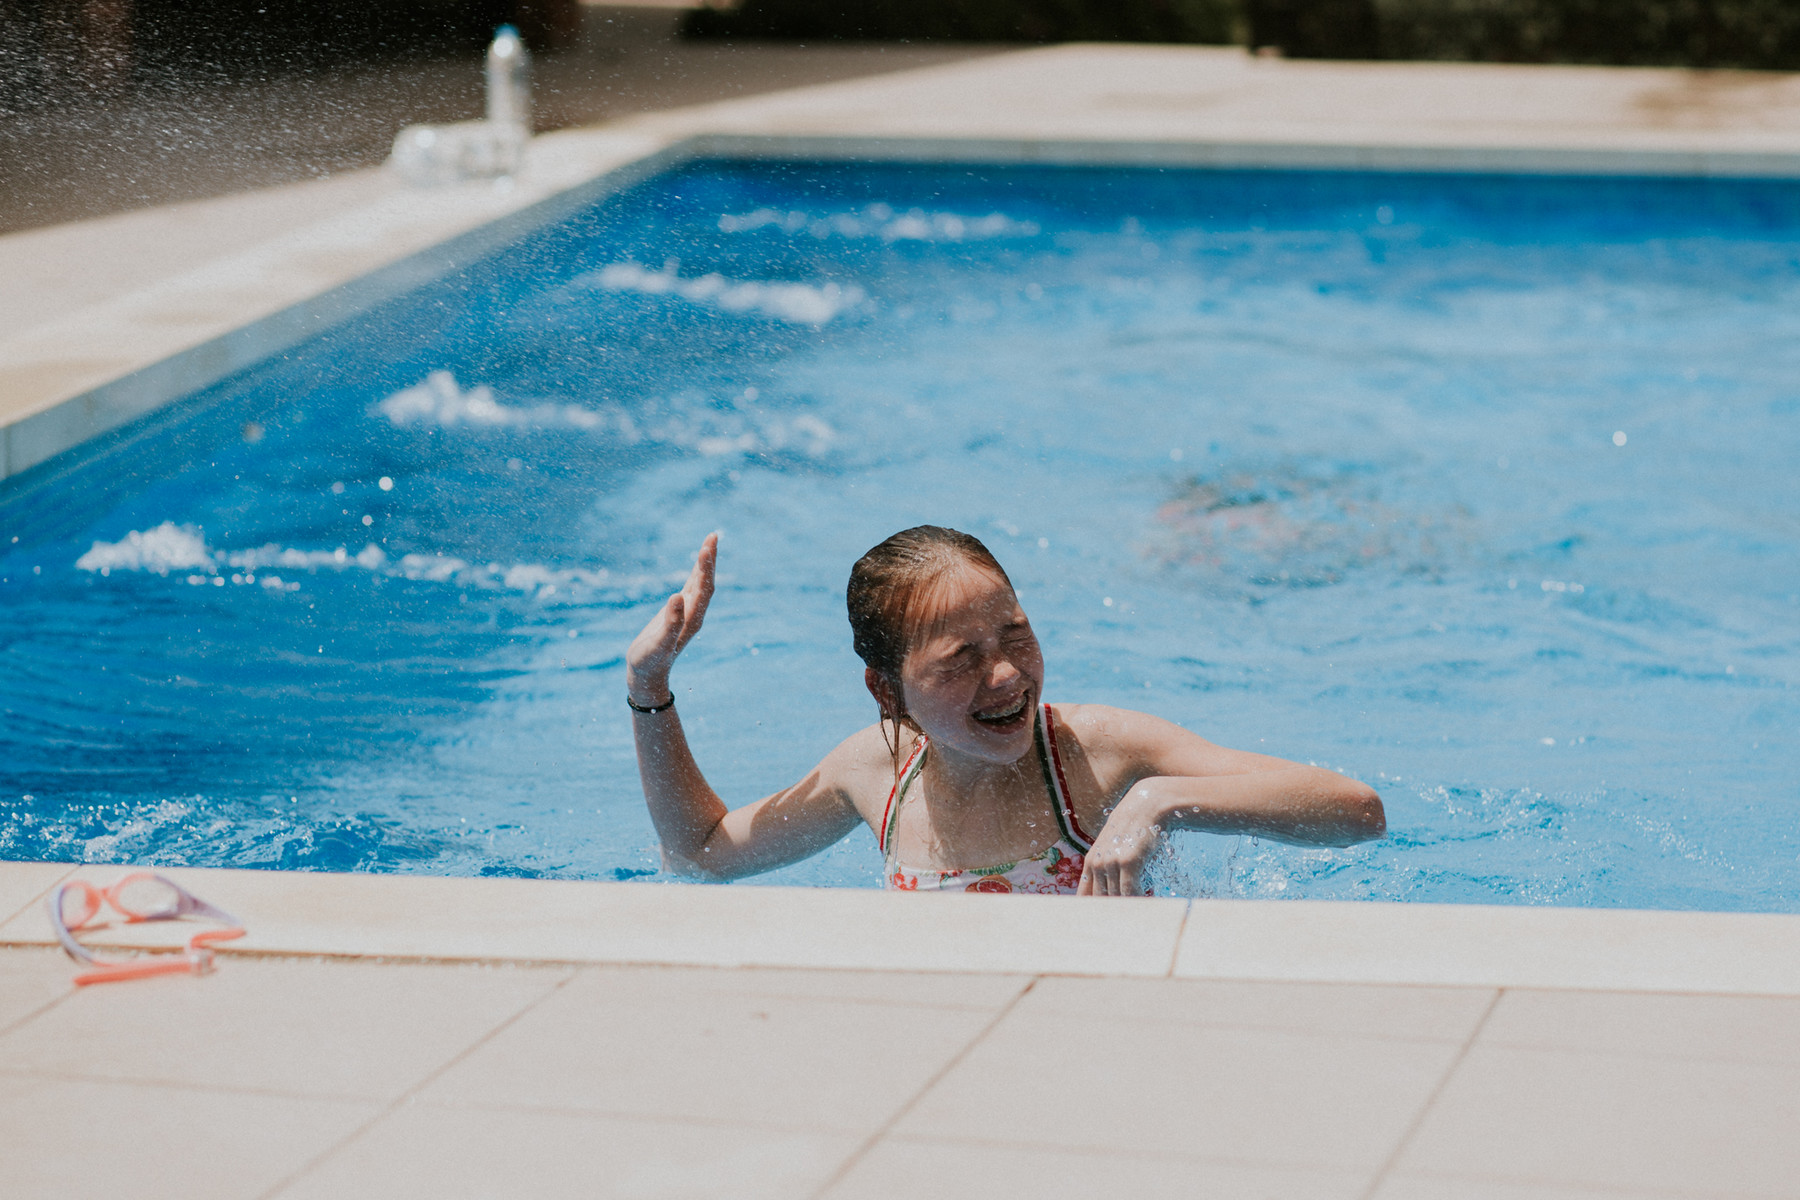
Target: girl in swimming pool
[{"x": 969, "y": 781}]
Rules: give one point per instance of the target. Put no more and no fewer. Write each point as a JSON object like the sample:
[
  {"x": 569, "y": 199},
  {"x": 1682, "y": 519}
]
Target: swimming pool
[{"x": 1475, "y": 487}]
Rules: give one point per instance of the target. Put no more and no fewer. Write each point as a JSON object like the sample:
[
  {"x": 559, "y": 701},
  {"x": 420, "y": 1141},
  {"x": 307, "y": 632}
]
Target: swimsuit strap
[
  {"x": 1050, "y": 759},
  {"x": 915, "y": 762}
]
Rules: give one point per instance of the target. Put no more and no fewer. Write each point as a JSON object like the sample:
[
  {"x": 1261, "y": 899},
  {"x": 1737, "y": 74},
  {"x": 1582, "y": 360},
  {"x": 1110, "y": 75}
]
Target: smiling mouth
[{"x": 1011, "y": 714}]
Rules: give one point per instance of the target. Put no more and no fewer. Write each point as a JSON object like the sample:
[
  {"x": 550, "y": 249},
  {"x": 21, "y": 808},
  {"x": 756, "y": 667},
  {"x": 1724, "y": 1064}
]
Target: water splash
[
  {"x": 169, "y": 548},
  {"x": 684, "y": 422},
  {"x": 883, "y": 222},
  {"x": 440, "y": 401},
  {"x": 798, "y": 303}
]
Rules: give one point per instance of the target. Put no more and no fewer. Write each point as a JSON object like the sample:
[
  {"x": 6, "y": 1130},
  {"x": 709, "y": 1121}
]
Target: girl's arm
[
  {"x": 1183, "y": 781},
  {"x": 699, "y": 835}
]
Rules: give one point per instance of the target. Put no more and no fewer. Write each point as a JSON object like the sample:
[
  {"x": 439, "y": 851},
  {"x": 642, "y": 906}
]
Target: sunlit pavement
[{"x": 654, "y": 1041}]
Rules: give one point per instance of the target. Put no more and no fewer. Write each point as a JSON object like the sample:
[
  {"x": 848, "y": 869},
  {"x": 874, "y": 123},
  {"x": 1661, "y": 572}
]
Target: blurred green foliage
[
  {"x": 1700, "y": 33},
  {"x": 1215, "y": 21}
]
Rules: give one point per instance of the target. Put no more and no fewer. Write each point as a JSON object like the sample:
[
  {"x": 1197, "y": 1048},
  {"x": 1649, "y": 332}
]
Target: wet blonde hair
[{"x": 887, "y": 598}]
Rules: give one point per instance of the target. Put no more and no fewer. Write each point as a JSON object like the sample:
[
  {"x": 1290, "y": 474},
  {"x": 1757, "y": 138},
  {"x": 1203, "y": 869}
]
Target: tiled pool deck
[
  {"x": 389, "y": 1037},
  {"x": 392, "y": 1036}
]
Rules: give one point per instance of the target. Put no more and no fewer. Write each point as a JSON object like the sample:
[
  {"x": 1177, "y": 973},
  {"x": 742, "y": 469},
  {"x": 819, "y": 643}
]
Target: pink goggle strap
[{"x": 197, "y": 959}]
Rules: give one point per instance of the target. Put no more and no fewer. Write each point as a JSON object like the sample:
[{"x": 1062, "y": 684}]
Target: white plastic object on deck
[
  {"x": 509, "y": 80},
  {"x": 494, "y": 148}
]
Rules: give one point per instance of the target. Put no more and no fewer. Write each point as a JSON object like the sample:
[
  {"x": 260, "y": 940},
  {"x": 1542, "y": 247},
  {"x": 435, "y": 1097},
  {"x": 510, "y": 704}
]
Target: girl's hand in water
[
  {"x": 1116, "y": 863},
  {"x": 653, "y": 652}
]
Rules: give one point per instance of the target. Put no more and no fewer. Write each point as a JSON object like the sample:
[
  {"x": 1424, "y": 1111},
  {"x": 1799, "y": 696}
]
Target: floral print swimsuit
[{"x": 1054, "y": 870}]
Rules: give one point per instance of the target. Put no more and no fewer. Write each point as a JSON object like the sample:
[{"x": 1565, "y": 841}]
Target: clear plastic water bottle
[{"x": 509, "y": 80}]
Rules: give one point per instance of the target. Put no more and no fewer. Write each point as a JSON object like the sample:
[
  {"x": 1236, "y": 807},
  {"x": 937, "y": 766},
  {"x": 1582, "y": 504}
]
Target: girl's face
[{"x": 973, "y": 677}]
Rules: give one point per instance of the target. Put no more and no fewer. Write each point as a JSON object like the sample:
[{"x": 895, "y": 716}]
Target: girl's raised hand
[{"x": 653, "y": 652}]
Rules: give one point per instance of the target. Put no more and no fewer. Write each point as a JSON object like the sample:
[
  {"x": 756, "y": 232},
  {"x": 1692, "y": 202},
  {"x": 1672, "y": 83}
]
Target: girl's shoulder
[
  {"x": 1099, "y": 727},
  {"x": 1119, "y": 738},
  {"x": 1122, "y": 744},
  {"x": 862, "y": 766}
]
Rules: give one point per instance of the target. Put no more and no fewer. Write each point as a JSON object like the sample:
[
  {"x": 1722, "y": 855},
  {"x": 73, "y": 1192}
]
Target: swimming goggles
[{"x": 143, "y": 896}]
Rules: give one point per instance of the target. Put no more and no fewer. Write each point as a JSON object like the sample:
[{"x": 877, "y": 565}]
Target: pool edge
[
  {"x": 453, "y": 919},
  {"x": 444, "y": 241}
]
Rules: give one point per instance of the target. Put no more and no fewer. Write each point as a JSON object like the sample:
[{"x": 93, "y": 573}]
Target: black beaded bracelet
[{"x": 654, "y": 708}]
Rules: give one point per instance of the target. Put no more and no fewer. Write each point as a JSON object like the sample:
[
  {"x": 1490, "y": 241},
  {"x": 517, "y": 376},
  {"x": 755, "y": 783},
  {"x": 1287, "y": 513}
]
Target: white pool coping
[
  {"x": 245, "y": 278},
  {"x": 435, "y": 918}
]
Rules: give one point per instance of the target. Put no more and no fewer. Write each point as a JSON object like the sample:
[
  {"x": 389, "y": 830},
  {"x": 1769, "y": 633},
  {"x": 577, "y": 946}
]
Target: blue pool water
[{"x": 1478, "y": 488}]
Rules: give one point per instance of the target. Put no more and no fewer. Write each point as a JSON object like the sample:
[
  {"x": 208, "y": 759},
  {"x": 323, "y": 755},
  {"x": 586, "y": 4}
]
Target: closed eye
[{"x": 959, "y": 656}]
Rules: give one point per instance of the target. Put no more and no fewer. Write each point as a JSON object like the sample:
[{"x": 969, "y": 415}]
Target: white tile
[
  {"x": 327, "y": 1029},
  {"x": 436, "y": 1153},
  {"x": 1122, "y": 103},
  {"x": 1357, "y": 1010},
  {"x": 905, "y": 1168},
  {"x": 61, "y": 269},
  {"x": 553, "y": 920},
  {"x": 1491, "y": 946},
  {"x": 66, "y": 1138},
  {"x": 646, "y": 1044},
  {"x": 1253, "y": 1096},
  {"x": 23, "y": 885},
  {"x": 1463, "y": 1187},
  {"x": 1610, "y": 1121},
  {"x": 32, "y": 979},
  {"x": 927, "y": 989},
  {"x": 1752, "y": 1029}
]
